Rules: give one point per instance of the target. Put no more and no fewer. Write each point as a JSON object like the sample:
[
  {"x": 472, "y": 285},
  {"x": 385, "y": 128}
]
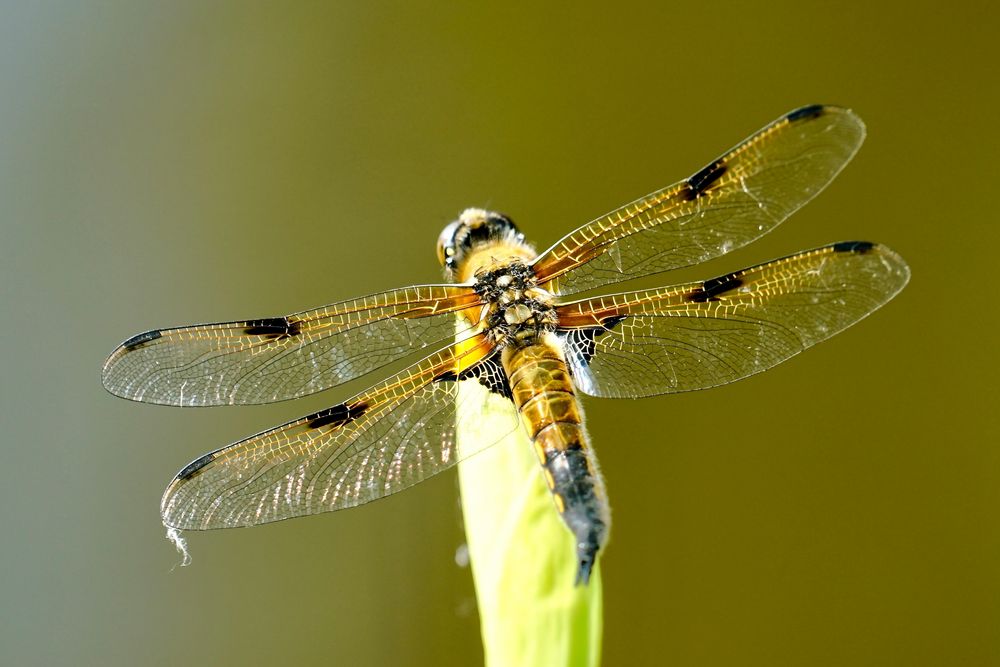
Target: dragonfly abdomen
[{"x": 543, "y": 392}]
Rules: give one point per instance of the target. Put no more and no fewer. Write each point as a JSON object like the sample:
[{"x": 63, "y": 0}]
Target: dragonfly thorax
[{"x": 517, "y": 311}]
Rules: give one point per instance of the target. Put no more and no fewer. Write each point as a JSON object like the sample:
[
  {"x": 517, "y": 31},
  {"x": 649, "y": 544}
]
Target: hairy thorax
[{"x": 517, "y": 311}]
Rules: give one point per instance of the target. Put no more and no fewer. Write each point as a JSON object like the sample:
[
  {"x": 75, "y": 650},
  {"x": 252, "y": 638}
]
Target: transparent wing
[
  {"x": 710, "y": 333},
  {"x": 278, "y": 358},
  {"x": 379, "y": 442},
  {"x": 737, "y": 198}
]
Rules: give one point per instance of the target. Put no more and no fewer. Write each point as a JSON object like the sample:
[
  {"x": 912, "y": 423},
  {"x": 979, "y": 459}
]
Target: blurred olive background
[{"x": 171, "y": 163}]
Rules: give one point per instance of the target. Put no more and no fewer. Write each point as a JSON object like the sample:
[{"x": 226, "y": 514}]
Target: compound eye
[{"x": 446, "y": 243}]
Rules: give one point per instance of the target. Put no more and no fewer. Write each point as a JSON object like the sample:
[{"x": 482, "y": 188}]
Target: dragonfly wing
[
  {"x": 713, "y": 332},
  {"x": 279, "y": 358},
  {"x": 379, "y": 442},
  {"x": 734, "y": 200}
]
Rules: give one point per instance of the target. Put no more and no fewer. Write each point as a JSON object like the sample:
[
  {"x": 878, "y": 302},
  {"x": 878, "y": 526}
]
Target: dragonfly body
[
  {"x": 546, "y": 400},
  {"x": 520, "y": 319},
  {"x": 522, "y": 336}
]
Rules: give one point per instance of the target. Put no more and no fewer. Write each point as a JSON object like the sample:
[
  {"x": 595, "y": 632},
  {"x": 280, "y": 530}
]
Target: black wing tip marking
[
  {"x": 273, "y": 327},
  {"x": 337, "y": 416},
  {"x": 711, "y": 290},
  {"x": 859, "y": 247},
  {"x": 807, "y": 112},
  {"x": 135, "y": 342},
  {"x": 700, "y": 182},
  {"x": 193, "y": 468}
]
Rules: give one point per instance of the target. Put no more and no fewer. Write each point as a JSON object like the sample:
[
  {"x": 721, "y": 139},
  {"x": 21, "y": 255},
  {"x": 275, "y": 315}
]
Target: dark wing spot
[
  {"x": 860, "y": 247},
  {"x": 488, "y": 372},
  {"x": 337, "y": 416},
  {"x": 609, "y": 323},
  {"x": 138, "y": 341},
  {"x": 711, "y": 290},
  {"x": 700, "y": 182},
  {"x": 580, "y": 342},
  {"x": 811, "y": 111},
  {"x": 193, "y": 468},
  {"x": 273, "y": 327}
]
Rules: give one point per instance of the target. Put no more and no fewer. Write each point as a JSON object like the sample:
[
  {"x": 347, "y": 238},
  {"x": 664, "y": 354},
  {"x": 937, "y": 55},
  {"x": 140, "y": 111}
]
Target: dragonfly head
[{"x": 476, "y": 229}]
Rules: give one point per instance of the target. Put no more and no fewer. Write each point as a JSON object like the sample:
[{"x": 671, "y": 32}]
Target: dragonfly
[{"x": 513, "y": 322}]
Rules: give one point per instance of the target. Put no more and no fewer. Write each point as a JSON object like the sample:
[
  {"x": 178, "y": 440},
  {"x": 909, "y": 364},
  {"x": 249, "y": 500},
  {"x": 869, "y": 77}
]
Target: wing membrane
[
  {"x": 377, "y": 443},
  {"x": 734, "y": 200},
  {"x": 274, "y": 359},
  {"x": 710, "y": 333}
]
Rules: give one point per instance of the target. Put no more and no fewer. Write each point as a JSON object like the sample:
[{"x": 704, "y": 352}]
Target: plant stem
[{"x": 522, "y": 555}]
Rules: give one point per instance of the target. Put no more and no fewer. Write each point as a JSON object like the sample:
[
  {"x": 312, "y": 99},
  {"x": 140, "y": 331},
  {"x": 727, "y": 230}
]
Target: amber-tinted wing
[
  {"x": 734, "y": 200},
  {"x": 278, "y": 358},
  {"x": 709, "y": 333},
  {"x": 381, "y": 441}
]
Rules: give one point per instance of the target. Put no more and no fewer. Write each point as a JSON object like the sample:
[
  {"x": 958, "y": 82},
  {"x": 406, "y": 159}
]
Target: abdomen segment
[{"x": 544, "y": 395}]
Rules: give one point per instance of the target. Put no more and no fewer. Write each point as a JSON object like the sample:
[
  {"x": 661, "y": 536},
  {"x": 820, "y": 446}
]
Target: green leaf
[{"x": 522, "y": 555}]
